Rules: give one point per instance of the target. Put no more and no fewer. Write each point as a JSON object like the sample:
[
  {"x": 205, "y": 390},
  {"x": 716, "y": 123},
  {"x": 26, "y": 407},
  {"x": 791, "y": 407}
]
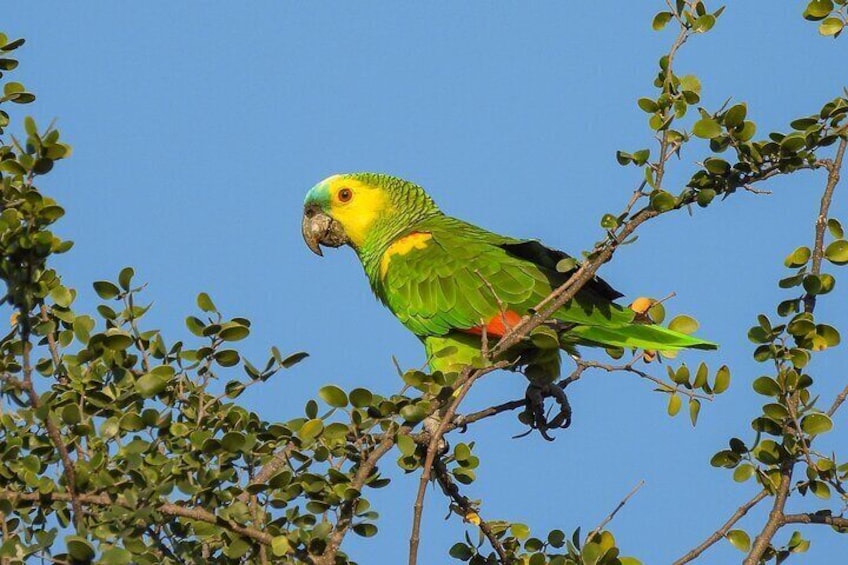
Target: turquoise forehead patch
[{"x": 319, "y": 194}]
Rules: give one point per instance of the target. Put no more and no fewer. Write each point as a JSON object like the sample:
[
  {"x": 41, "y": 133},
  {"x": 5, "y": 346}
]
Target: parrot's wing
[{"x": 465, "y": 277}]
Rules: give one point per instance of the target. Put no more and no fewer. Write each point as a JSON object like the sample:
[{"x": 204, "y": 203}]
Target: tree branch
[
  {"x": 834, "y": 168},
  {"x": 816, "y": 518},
  {"x": 168, "y": 508},
  {"x": 52, "y": 431},
  {"x": 775, "y": 517},
  {"x": 612, "y": 514},
  {"x": 468, "y": 509},
  {"x": 722, "y": 531}
]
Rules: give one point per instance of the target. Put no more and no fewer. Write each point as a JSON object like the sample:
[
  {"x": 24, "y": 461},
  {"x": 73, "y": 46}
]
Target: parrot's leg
[
  {"x": 542, "y": 369},
  {"x": 535, "y": 397},
  {"x": 450, "y": 354}
]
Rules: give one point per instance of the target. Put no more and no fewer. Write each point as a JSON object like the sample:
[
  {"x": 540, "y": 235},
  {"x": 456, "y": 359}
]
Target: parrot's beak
[{"x": 320, "y": 229}]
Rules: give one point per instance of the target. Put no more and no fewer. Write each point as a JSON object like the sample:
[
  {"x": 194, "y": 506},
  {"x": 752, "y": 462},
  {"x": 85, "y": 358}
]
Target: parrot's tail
[{"x": 641, "y": 336}]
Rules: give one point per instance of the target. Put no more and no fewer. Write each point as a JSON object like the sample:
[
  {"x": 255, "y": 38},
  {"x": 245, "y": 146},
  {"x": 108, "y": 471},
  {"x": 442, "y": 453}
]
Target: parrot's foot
[
  {"x": 431, "y": 426},
  {"x": 535, "y": 397}
]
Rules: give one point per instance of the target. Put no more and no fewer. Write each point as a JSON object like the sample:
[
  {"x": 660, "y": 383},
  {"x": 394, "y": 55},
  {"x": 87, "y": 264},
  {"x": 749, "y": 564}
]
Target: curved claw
[{"x": 535, "y": 396}]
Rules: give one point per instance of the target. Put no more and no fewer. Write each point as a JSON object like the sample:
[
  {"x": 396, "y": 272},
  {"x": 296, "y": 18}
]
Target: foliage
[{"x": 122, "y": 446}]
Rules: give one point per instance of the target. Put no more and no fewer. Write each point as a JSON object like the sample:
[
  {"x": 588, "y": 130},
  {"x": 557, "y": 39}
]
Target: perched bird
[{"x": 446, "y": 280}]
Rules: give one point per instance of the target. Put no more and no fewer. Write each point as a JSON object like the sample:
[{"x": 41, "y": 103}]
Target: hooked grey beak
[{"x": 320, "y": 229}]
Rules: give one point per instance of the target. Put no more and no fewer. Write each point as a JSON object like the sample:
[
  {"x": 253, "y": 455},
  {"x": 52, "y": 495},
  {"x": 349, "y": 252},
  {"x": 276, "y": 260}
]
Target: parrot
[{"x": 451, "y": 283}]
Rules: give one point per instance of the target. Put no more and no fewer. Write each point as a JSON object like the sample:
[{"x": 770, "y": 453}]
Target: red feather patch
[{"x": 498, "y": 324}]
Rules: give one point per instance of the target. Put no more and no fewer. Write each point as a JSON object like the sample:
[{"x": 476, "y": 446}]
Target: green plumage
[{"x": 463, "y": 276}]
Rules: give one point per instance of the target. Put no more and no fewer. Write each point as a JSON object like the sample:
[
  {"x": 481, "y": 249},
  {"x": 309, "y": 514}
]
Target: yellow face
[{"x": 353, "y": 204}]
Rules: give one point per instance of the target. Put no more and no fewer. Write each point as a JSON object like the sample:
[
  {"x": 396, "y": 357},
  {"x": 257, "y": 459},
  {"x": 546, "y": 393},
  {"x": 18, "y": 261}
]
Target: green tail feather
[{"x": 651, "y": 337}]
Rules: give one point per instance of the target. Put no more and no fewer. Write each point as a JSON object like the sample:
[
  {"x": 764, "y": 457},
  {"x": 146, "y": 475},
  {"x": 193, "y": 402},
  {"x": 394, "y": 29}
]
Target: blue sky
[{"x": 197, "y": 132}]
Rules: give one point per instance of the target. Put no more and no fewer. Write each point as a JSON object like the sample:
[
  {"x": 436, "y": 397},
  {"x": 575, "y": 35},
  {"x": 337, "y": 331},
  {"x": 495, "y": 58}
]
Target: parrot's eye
[{"x": 345, "y": 195}]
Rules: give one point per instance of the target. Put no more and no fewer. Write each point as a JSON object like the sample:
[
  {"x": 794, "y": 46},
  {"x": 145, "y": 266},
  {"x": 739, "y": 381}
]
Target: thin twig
[
  {"x": 269, "y": 469},
  {"x": 612, "y": 514},
  {"x": 722, "y": 531}
]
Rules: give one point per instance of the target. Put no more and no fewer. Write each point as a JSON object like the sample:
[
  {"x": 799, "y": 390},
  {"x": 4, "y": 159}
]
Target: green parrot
[{"x": 446, "y": 280}]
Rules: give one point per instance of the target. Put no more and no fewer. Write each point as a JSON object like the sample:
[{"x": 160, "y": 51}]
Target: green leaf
[
  {"x": 609, "y": 222},
  {"x": 360, "y": 397},
  {"x": 743, "y": 472},
  {"x": 835, "y": 228},
  {"x": 818, "y": 9},
  {"x": 722, "y": 380},
  {"x": 735, "y": 116},
  {"x": 707, "y": 128},
  {"x": 233, "y": 331},
  {"x": 798, "y": 258},
  {"x": 205, "y": 303},
  {"x": 641, "y": 157},
  {"x": 311, "y": 429},
  {"x": 294, "y": 359},
  {"x": 648, "y": 105},
  {"x": 660, "y": 20},
  {"x": 690, "y": 83},
  {"x": 704, "y": 23},
  {"x": 740, "y": 540},
  {"x": 233, "y": 441},
  {"x": 831, "y": 26},
  {"x": 125, "y": 277},
  {"x": 117, "y": 340},
  {"x": 683, "y": 324},
  {"x": 62, "y": 296},
  {"x": 837, "y": 252},
  {"x": 365, "y": 530},
  {"x": 674, "y": 404},
  {"x": 106, "y": 290},
  {"x": 280, "y": 546},
  {"x": 461, "y": 551},
  {"x": 13, "y": 88},
  {"x": 566, "y": 265},
  {"x": 520, "y": 531},
  {"x": 694, "y": 410},
  {"x": 406, "y": 445},
  {"x": 116, "y": 556},
  {"x": 334, "y": 396},
  {"x": 79, "y": 548},
  {"x": 662, "y": 201},
  {"x": 816, "y": 423},
  {"x": 150, "y": 384}
]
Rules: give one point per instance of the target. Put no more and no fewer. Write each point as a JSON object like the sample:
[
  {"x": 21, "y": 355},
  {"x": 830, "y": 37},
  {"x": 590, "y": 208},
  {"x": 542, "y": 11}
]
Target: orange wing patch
[
  {"x": 415, "y": 240},
  {"x": 498, "y": 324}
]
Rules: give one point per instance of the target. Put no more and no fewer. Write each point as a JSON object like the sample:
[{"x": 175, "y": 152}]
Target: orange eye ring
[{"x": 345, "y": 195}]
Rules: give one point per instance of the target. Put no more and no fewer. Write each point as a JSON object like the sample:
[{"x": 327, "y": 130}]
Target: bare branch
[
  {"x": 722, "y": 531},
  {"x": 612, "y": 514},
  {"x": 816, "y": 518}
]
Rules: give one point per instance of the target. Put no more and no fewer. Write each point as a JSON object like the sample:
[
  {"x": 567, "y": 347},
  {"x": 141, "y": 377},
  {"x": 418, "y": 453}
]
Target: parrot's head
[{"x": 361, "y": 210}]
